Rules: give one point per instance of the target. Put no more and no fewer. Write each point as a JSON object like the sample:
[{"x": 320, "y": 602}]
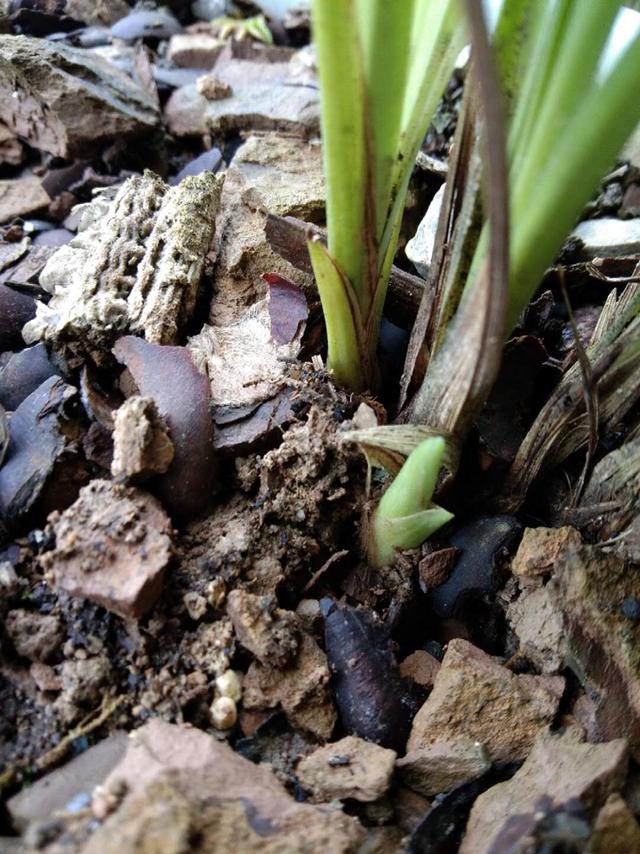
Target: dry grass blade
[{"x": 562, "y": 427}]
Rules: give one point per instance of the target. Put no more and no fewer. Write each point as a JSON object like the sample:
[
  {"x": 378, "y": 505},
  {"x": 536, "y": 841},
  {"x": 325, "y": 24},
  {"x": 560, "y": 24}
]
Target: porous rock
[
  {"x": 134, "y": 266},
  {"x": 34, "y": 636},
  {"x": 141, "y": 443},
  {"x": 183, "y": 784},
  {"x": 541, "y": 548},
  {"x": 443, "y": 765},
  {"x": 112, "y": 547},
  {"x": 62, "y": 100},
  {"x": 421, "y": 667},
  {"x": 267, "y": 631},
  {"x": 560, "y": 768},
  {"x": 349, "y": 768},
  {"x": 302, "y": 689},
  {"x": 475, "y": 697}
]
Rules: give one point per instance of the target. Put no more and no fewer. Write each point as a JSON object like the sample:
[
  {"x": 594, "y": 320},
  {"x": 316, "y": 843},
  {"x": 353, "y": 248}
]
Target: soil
[{"x": 182, "y": 519}]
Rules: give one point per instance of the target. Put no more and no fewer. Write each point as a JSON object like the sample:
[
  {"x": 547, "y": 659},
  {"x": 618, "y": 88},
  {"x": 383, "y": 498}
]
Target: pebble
[
  {"x": 224, "y": 713},
  {"x": 229, "y": 684},
  {"x": 419, "y": 249},
  {"x": 631, "y": 609},
  {"x": 146, "y": 24},
  {"x": 608, "y": 237}
]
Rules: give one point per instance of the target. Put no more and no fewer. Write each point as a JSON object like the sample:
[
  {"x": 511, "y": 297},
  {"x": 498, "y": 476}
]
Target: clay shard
[
  {"x": 134, "y": 266},
  {"x": 62, "y": 99},
  {"x": 475, "y": 697},
  {"x": 184, "y": 785},
  {"x": 112, "y": 547}
]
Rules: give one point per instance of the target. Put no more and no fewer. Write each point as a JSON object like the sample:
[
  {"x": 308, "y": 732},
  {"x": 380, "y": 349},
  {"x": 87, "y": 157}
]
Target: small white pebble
[
  {"x": 223, "y": 713},
  {"x": 230, "y": 685},
  {"x": 195, "y": 604}
]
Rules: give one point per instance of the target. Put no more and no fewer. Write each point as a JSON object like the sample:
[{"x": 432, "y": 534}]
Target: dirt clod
[{"x": 112, "y": 547}]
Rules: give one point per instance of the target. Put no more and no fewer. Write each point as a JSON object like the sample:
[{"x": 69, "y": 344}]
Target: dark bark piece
[
  {"x": 182, "y": 395},
  {"x": 288, "y": 310},
  {"x": 38, "y": 441},
  {"x": 481, "y": 543},
  {"x": 15, "y": 310},
  {"x": 288, "y": 237},
  {"x": 371, "y": 698},
  {"x": 22, "y": 375}
]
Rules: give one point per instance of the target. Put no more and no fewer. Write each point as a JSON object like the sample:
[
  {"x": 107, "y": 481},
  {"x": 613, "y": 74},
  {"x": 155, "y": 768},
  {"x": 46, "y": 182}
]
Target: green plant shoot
[
  {"x": 383, "y": 67},
  {"x": 405, "y": 515}
]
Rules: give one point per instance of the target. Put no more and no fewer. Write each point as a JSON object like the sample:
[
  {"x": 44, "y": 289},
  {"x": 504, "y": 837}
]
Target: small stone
[
  {"x": 475, "y": 697},
  {"x": 559, "y": 769},
  {"x": 229, "y": 684},
  {"x": 442, "y": 766},
  {"x": 349, "y": 768},
  {"x": 631, "y": 609},
  {"x": 45, "y": 677},
  {"x": 224, "y": 713},
  {"x": 270, "y": 633},
  {"x": 212, "y": 88},
  {"x": 112, "y": 547},
  {"x": 194, "y": 50},
  {"x": 141, "y": 443},
  {"x": 9, "y": 581},
  {"x": 608, "y": 237},
  {"x": 21, "y": 196},
  {"x": 421, "y": 667},
  {"x": 34, "y": 636},
  {"x": 195, "y": 604},
  {"x": 541, "y": 548},
  {"x": 302, "y": 689},
  {"x": 419, "y": 249}
]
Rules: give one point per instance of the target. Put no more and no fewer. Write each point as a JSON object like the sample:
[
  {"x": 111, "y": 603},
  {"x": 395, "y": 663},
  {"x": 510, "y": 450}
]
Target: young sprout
[{"x": 406, "y": 516}]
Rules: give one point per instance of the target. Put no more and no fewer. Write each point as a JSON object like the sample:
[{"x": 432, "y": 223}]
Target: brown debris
[
  {"x": 559, "y": 768},
  {"x": 134, "y": 267},
  {"x": 421, "y": 667},
  {"x": 267, "y": 631},
  {"x": 182, "y": 784},
  {"x": 303, "y": 690},
  {"x": 349, "y": 768},
  {"x": 435, "y": 568},
  {"x": 541, "y": 548},
  {"x": 181, "y": 394},
  {"x": 62, "y": 99},
  {"x": 475, "y": 697},
  {"x": 443, "y": 765},
  {"x": 141, "y": 444},
  {"x": 112, "y": 547}
]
